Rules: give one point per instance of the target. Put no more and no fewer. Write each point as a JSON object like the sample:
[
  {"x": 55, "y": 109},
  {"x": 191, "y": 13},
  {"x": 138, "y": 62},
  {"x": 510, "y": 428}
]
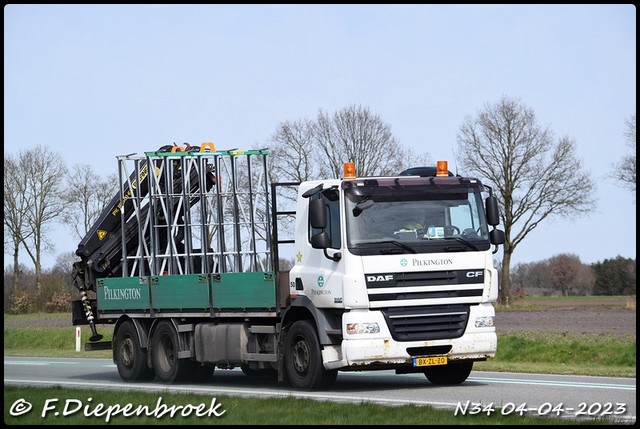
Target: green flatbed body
[{"x": 189, "y": 292}]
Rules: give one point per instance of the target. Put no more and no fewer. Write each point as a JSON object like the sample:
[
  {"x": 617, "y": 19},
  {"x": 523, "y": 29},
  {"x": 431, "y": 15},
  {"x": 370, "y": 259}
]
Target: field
[{"x": 599, "y": 315}]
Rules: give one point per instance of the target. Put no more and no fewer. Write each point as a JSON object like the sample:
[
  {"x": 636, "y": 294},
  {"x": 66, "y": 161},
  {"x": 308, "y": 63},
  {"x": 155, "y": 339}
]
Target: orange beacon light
[{"x": 349, "y": 170}]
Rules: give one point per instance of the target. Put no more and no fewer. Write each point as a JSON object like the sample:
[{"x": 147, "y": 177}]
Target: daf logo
[
  {"x": 475, "y": 273},
  {"x": 386, "y": 278}
]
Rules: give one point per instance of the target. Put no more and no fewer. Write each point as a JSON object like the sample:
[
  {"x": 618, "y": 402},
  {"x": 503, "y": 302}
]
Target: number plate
[{"x": 430, "y": 361}]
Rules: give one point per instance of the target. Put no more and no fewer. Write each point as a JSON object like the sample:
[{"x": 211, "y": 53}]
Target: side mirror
[
  {"x": 493, "y": 217},
  {"x": 318, "y": 214},
  {"x": 496, "y": 236},
  {"x": 320, "y": 240}
]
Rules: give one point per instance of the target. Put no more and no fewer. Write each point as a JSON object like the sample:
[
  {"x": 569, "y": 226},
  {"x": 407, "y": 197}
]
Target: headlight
[
  {"x": 484, "y": 322},
  {"x": 363, "y": 328}
]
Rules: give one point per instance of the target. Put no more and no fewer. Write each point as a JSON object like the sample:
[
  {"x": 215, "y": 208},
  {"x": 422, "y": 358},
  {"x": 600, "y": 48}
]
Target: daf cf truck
[{"x": 386, "y": 273}]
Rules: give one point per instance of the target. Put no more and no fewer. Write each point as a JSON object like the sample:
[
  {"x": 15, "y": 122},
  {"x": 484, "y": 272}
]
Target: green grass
[
  {"x": 53, "y": 342},
  {"x": 83, "y": 407},
  {"x": 577, "y": 349},
  {"x": 38, "y": 316},
  {"x": 611, "y": 355}
]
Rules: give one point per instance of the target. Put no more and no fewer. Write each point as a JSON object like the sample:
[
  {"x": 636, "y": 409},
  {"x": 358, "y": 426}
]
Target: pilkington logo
[
  {"x": 428, "y": 262},
  {"x": 129, "y": 293}
]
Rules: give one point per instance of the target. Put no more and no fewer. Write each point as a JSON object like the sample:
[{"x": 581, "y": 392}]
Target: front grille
[
  {"x": 406, "y": 288},
  {"x": 427, "y": 322},
  {"x": 437, "y": 294}
]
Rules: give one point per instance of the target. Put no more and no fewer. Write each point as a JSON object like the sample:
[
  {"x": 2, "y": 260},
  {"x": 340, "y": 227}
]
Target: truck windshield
[{"x": 416, "y": 221}]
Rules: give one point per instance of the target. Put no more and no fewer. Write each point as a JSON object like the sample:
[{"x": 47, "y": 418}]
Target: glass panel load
[{"x": 198, "y": 211}]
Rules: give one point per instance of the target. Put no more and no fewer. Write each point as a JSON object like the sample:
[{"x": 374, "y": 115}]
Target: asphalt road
[{"x": 566, "y": 396}]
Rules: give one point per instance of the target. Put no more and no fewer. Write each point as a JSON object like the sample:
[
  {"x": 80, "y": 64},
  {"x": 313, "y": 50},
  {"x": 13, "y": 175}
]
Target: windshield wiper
[
  {"x": 459, "y": 240},
  {"x": 397, "y": 243}
]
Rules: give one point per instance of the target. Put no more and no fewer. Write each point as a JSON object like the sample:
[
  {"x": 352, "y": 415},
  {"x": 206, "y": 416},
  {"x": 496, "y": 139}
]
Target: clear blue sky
[{"x": 97, "y": 81}]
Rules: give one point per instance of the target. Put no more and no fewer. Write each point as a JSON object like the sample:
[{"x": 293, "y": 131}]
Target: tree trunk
[
  {"x": 16, "y": 269},
  {"x": 505, "y": 284}
]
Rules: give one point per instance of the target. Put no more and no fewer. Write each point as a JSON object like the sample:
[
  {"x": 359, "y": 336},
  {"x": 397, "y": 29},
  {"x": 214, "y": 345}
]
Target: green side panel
[
  {"x": 243, "y": 290},
  {"x": 123, "y": 293},
  {"x": 188, "y": 291}
]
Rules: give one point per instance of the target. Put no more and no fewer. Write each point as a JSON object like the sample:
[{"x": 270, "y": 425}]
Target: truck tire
[
  {"x": 452, "y": 373},
  {"x": 130, "y": 358},
  {"x": 303, "y": 358},
  {"x": 164, "y": 355}
]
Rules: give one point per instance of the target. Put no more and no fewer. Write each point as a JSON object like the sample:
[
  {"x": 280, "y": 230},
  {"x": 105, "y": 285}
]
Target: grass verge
[{"x": 88, "y": 407}]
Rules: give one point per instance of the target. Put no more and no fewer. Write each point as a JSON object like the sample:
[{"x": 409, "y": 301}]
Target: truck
[{"x": 188, "y": 263}]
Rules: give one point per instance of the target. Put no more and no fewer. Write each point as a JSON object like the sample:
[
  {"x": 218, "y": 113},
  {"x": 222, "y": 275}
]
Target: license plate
[{"x": 430, "y": 361}]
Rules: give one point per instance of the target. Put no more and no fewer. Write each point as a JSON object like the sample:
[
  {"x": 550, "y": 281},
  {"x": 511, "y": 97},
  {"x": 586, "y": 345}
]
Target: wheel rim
[
  {"x": 166, "y": 354},
  {"x": 301, "y": 356},
  {"x": 126, "y": 352}
]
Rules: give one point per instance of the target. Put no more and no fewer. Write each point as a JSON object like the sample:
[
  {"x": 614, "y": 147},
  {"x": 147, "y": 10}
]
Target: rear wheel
[
  {"x": 452, "y": 373},
  {"x": 130, "y": 358},
  {"x": 164, "y": 354},
  {"x": 303, "y": 359}
]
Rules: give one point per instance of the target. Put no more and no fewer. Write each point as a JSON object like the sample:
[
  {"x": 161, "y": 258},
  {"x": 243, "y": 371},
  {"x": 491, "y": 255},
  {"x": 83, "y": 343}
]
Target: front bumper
[{"x": 380, "y": 349}]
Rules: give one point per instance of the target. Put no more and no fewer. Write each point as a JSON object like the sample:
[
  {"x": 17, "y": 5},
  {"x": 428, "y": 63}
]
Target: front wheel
[
  {"x": 130, "y": 358},
  {"x": 164, "y": 355},
  {"x": 452, "y": 373},
  {"x": 303, "y": 358}
]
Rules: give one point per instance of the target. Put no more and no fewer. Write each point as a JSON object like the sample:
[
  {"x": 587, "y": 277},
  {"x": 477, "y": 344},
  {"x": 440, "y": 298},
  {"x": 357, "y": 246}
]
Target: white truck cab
[{"x": 407, "y": 263}]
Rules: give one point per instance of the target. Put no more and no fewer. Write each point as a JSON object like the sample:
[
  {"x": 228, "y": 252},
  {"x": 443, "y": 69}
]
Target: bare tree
[
  {"x": 625, "y": 170},
  {"x": 85, "y": 197},
  {"x": 585, "y": 280},
  {"x": 16, "y": 205},
  {"x": 306, "y": 150},
  {"x": 292, "y": 158},
  {"x": 530, "y": 278},
  {"x": 535, "y": 178},
  {"x": 564, "y": 272},
  {"x": 357, "y": 135},
  {"x": 409, "y": 158},
  {"x": 43, "y": 170},
  {"x": 293, "y": 148}
]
